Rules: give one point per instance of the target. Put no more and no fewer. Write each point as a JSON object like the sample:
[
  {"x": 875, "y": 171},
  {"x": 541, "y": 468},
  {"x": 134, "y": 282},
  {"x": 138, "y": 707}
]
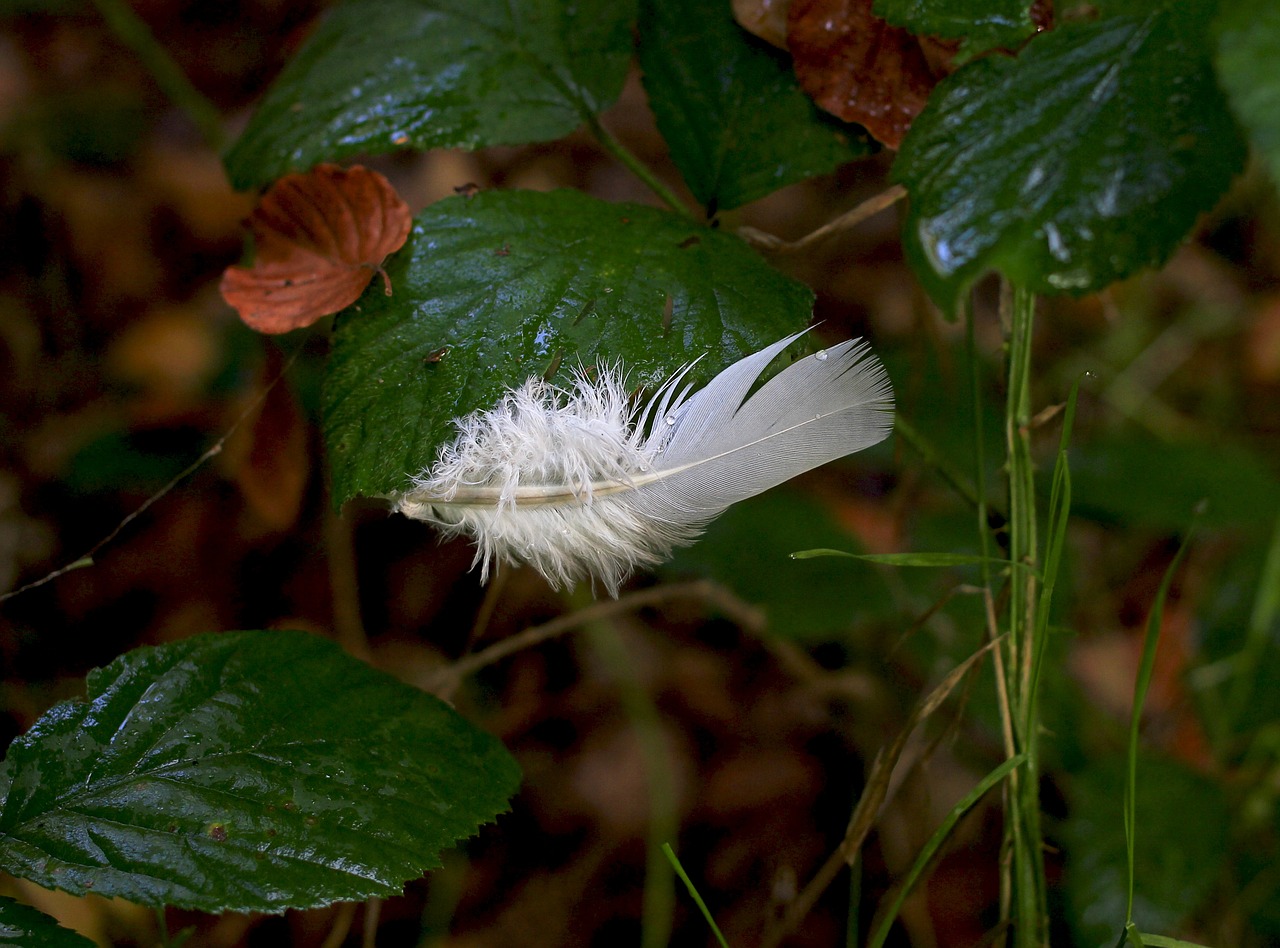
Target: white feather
[{"x": 582, "y": 483}]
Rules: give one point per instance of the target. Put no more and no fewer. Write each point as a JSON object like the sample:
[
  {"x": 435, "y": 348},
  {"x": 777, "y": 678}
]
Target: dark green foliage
[
  {"x": 506, "y": 285},
  {"x": 248, "y": 771},
  {"x": 1083, "y": 160},
  {"x": 743, "y": 129},
  {"x": 26, "y": 927},
  {"x": 380, "y": 75}
]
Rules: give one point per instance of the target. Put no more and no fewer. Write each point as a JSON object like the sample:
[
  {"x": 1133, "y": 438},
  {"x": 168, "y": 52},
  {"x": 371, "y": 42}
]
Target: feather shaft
[{"x": 582, "y": 483}]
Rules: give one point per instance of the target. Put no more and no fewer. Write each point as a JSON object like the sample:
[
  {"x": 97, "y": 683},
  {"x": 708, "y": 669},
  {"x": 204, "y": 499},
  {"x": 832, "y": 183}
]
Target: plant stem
[
  {"x": 636, "y": 166},
  {"x": 1022, "y": 833},
  {"x": 664, "y": 821},
  {"x": 133, "y": 31}
]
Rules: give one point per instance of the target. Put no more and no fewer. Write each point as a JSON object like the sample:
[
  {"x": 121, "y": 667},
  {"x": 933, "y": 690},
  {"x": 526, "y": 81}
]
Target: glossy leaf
[
  {"x": 319, "y": 238},
  {"x": 505, "y": 285},
  {"x": 26, "y": 927},
  {"x": 982, "y": 24},
  {"x": 1248, "y": 50},
  {"x": 1080, "y": 162},
  {"x": 734, "y": 117},
  {"x": 248, "y": 771},
  {"x": 382, "y": 75},
  {"x": 1178, "y": 859}
]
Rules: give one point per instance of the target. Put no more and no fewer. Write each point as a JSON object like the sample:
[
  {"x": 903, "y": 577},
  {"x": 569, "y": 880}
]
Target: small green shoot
[
  {"x": 1145, "y": 670},
  {"x": 693, "y": 892},
  {"x": 934, "y": 560}
]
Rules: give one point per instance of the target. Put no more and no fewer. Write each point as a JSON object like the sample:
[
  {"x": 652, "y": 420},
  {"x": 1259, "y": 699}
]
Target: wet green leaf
[
  {"x": 1177, "y": 860},
  {"x": 30, "y": 928},
  {"x": 729, "y": 106},
  {"x": 1248, "y": 49},
  {"x": 1083, "y": 160},
  {"x": 381, "y": 75},
  {"x": 508, "y": 284},
  {"x": 982, "y": 24},
  {"x": 248, "y": 771}
]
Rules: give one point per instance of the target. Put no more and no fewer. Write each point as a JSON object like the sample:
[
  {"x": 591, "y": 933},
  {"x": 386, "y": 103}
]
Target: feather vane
[{"x": 581, "y": 483}]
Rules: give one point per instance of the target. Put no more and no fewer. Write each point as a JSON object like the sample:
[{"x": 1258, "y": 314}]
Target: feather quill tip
[{"x": 582, "y": 483}]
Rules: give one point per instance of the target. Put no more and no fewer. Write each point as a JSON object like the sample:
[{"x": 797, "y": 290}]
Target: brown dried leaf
[
  {"x": 861, "y": 69},
  {"x": 321, "y": 236}
]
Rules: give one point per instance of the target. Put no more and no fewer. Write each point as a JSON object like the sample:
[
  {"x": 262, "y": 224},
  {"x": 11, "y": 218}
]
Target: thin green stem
[
  {"x": 1029, "y": 899},
  {"x": 934, "y": 459},
  {"x": 664, "y": 824},
  {"x": 635, "y": 165},
  {"x": 133, "y": 31}
]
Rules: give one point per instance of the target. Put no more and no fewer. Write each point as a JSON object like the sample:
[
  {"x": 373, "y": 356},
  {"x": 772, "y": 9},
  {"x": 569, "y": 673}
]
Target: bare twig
[
  {"x": 213, "y": 451},
  {"x": 344, "y": 589},
  {"x": 703, "y": 590},
  {"x": 341, "y": 925},
  {"x": 846, "y": 221}
]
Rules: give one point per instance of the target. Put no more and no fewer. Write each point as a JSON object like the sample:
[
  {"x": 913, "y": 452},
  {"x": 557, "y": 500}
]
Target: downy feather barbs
[{"x": 584, "y": 483}]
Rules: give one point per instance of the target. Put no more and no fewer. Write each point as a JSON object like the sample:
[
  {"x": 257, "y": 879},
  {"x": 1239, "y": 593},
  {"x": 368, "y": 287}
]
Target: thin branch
[
  {"x": 703, "y": 590},
  {"x": 635, "y": 165},
  {"x": 213, "y": 451},
  {"x": 770, "y": 243}
]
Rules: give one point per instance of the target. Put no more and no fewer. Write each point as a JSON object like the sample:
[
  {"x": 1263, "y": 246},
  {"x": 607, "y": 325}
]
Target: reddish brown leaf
[
  {"x": 321, "y": 236},
  {"x": 861, "y": 69}
]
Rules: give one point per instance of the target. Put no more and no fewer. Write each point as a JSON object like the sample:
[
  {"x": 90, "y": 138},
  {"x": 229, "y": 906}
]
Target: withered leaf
[
  {"x": 320, "y": 237},
  {"x": 861, "y": 69}
]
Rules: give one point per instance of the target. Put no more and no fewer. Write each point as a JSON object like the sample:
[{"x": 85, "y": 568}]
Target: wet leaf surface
[
  {"x": 506, "y": 285},
  {"x": 385, "y": 75},
  {"x": 246, "y": 771},
  {"x": 30, "y": 928},
  {"x": 743, "y": 128},
  {"x": 319, "y": 239},
  {"x": 1080, "y": 162}
]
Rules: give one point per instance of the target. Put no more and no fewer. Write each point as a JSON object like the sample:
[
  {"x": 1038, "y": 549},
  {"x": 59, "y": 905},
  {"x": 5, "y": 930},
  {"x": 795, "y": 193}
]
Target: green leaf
[
  {"x": 1080, "y": 162},
  {"x": 249, "y": 771},
  {"x": 30, "y": 928},
  {"x": 1177, "y": 862},
  {"x": 982, "y": 24},
  {"x": 729, "y": 106},
  {"x": 748, "y": 549},
  {"x": 509, "y": 284},
  {"x": 1248, "y": 49},
  {"x": 910, "y": 559},
  {"x": 380, "y": 75}
]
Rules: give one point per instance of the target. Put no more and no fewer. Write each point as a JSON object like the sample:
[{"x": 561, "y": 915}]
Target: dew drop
[
  {"x": 671, "y": 420},
  {"x": 821, "y": 355}
]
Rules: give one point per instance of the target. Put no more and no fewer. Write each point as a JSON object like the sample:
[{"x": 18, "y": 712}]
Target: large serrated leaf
[
  {"x": 381, "y": 75},
  {"x": 729, "y": 106},
  {"x": 248, "y": 771},
  {"x": 1084, "y": 160},
  {"x": 30, "y": 928},
  {"x": 506, "y": 285},
  {"x": 1248, "y": 50}
]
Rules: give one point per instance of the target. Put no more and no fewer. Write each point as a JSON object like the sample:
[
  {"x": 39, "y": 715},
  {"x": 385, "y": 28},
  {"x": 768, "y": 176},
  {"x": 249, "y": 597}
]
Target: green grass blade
[
  {"x": 1145, "y": 669},
  {"x": 932, "y": 847},
  {"x": 693, "y": 893},
  {"x": 1160, "y": 941},
  {"x": 914, "y": 559}
]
